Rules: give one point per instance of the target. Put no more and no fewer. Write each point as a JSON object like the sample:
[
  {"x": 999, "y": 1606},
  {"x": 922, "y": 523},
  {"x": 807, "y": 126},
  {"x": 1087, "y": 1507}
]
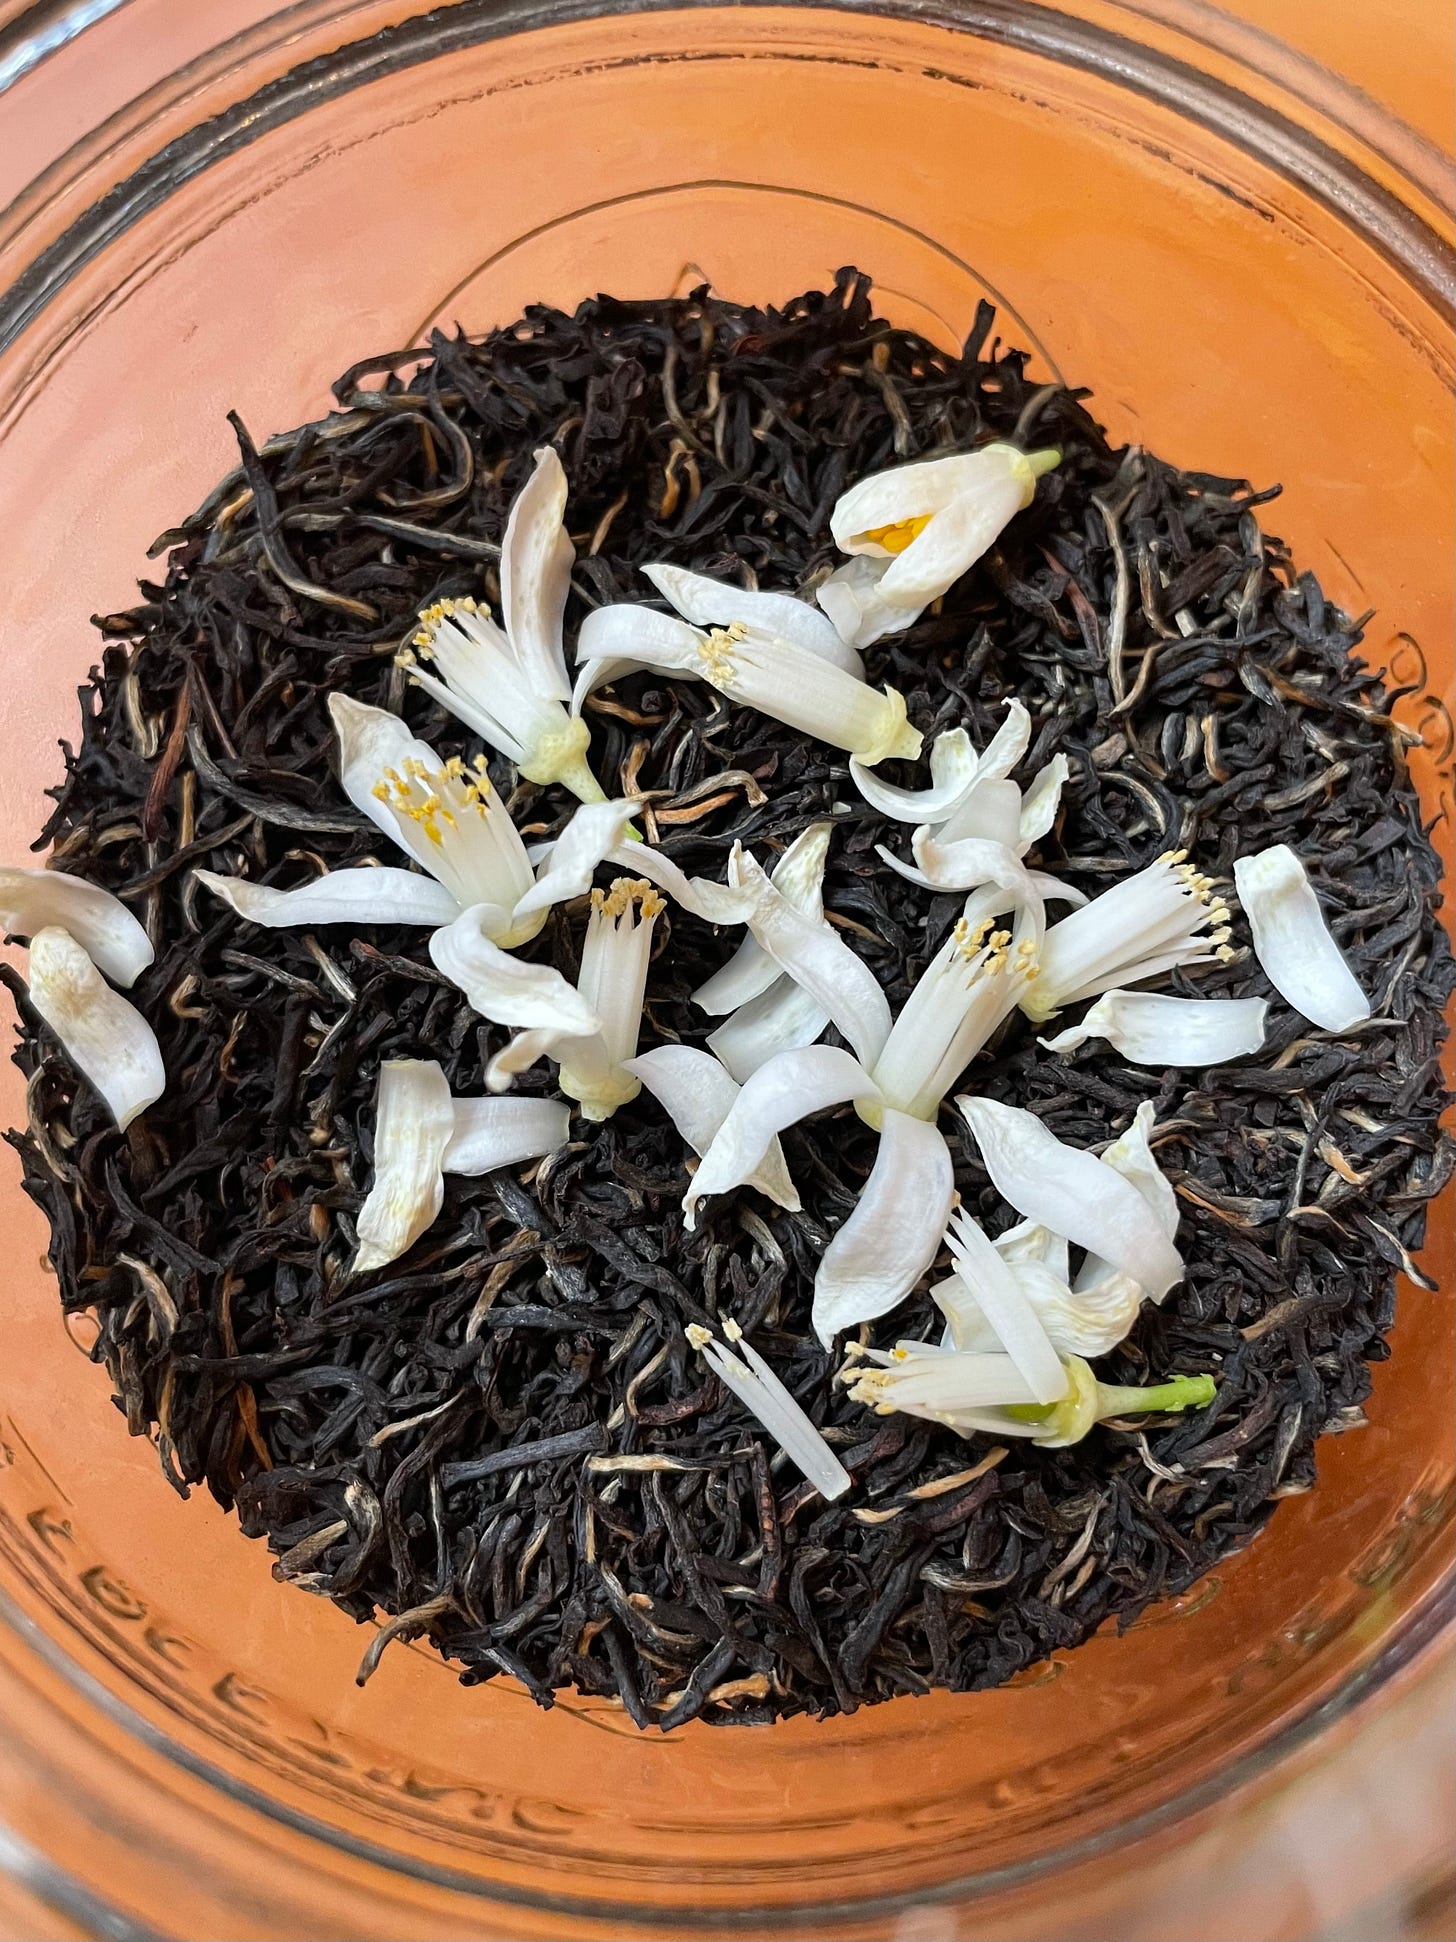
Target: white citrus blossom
[
  {"x": 590, "y": 1031},
  {"x": 976, "y": 1394},
  {"x": 930, "y": 521},
  {"x": 450, "y": 820},
  {"x": 421, "y": 1133},
  {"x": 897, "y": 1080},
  {"x": 509, "y": 683},
  {"x": 743, "y": 1370},
  {"x": 1165, "y": 916},
  {"x": 104, "y": 1036},
  {"x": 1292, "y": 940},
  {"x": 767, "y": 658}
]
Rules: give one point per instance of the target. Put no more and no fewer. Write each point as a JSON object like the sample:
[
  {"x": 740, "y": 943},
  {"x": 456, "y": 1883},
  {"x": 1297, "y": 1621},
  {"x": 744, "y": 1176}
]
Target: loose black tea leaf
[{"x": 504, "y": 1441}]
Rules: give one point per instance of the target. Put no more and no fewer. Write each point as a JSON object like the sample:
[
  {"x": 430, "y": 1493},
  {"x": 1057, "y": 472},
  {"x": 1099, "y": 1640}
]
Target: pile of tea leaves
[{"x": 504, "y": 1440}]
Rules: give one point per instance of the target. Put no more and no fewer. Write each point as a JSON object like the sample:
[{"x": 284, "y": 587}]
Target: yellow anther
[
  {"x": 380, "y": 792},
  {"x": 895, "y": 538}
]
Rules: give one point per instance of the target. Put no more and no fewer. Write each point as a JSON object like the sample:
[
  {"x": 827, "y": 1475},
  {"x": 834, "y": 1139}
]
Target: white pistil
[
  {"x": 1165, "y": 916},
  {"x": 756, "y": 1386},
  {"x": 1292, "y": 940},
  {"x": 510, "y": 683},
  {"x": 414, "y": 1125},
  {"x": 103, "y": 1035}
]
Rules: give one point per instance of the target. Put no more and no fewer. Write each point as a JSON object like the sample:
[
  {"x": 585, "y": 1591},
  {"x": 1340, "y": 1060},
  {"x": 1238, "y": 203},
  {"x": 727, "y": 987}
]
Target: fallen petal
[
  {"x": 104, "y": 1036},
  {"x": 490, "y": 1133},
  {"x": 697, "y": 1095},
  {"x": 1150, "y": 1029},
  {"x": 1072, "y": 1192},
  {"x": 717, "y": 603},
  {"x": 787, "y": 1089},
  {"x": 1292, "y": 940},
  {"x": 414, "y": 1124},
  {"x": 628, "y": 631},
  {"x": 359, "y": 896},
  {"x": 893, "y": 1234},
  {"x": 503, "y": 987},
  {"x": 37, "y": 900}
]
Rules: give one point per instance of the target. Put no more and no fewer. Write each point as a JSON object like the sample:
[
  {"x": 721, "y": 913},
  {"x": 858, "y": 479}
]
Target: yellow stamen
[{"x": 895, "y": 538}]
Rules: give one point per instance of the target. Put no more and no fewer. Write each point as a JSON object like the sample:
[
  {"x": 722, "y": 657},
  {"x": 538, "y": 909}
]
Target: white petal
[
  {"x": 1007, "y": 746},
  {"x": 37, "y": 900},
  {"x": 1131, "y": 1155},
  {"x": 1150, "y": 1029},
  {"x": 962, "y": 531},
  {"x": 953, "y": 766},
  {"x": 1087, "y": 1323},
  {"x": 414, "y": 1123},
  {"x": 535, "y": 572},
  {"x": 490, "y": 1133},
  {"x": 607, "y": 668},
  {"x": 817, "y": 958},
  {"x": 779, "y": 1020},
  {"x": 787, "y": 1089},
  {"x": 372, "y": 740},
  {"x": 799, "y": 876},
  {"x": 893, "y": 1234},
  {"x": 1072, "y": 1192},
  {"x": 990, "y": 809},
  {"x": 697, "y": 1094},
  {"x": 627, "y": 631},
  {"x": 546, "y": 1042},
  {"x": 594, "y": 832},
  {"x": 714, "y": 903},
  {"x": 969, "y": 862},
  {"x": 993, "y": 1282},
  {"x": 1293, "y": 943},
  {"x": 1042, "y": 800},
  {"x": 903, "y": 492},
  {"x": 756, "y": 1386},
  {"x": 358, "y": 896},
  {"x": 852, "y": 599},
  {"x": 104, "y": 1036},
  {"x": 934, "y": 1385},
  {"x": 503, "y": 987},
  {"x": 1029, "y": 1241},
  {"x": 716, "y": 603}
]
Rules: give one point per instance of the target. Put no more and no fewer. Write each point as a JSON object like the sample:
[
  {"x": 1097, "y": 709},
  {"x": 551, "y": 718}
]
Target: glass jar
[{"x": 1248, "y": 259}]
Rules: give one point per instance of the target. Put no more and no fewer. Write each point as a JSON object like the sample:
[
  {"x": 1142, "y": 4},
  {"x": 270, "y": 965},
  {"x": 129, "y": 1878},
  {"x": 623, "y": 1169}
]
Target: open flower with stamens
[
  {"x": 421, "y": 1133},
  {"x": 509, "y": 683},
  {"x": 903, "y": 1069},
  {"x": 985, "y": 1395},
  {"x": 1165, "y": 916},
  {"x": 762, "y": 660},
  {"x": 930, "y": 521},
  {"x": 445, "y": 815},
  {"x": 743, "y": 1370},
  {"x": 610, "y": 989}
]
